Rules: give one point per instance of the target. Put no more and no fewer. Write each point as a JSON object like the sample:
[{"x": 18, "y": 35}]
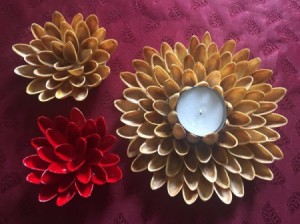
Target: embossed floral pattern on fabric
[{"x": 72, "y": 157}]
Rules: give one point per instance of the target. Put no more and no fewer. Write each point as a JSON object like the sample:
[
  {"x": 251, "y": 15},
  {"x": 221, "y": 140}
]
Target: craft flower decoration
[
  {"x": 72, "y": 157},
  {"x": 65, "y": 59},
  {"x": 218, "y": 162}
]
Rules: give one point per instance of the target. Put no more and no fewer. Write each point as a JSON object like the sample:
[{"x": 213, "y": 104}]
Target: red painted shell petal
[
  {"x": 50, "y": 178},
  {"x": 66, "y": 196},
  {"x": 55, "y": 138},
  {"x": 35, "y": 162},
  {"x": 66, "y": 183},
  {"x": 84, "y": 175},
  {"x": 34, "y": 178},
  {"x": 89, "y": 128},
  {"x": 93, "y": 140},
  {"x": 45, "y": 123},
  {"x": 75, "y": 164},
  {"x": 61, "y": 123},
  {"x": 72, "y": 132},
  {"x": 94, "y": 156},
  {"x": 106, "y": 142},
  {"x": 84, "y": 190},
  {"x": 39, "y": 141},
  {"x": 47, "y": 193},
  {"x": 109, "y": 159},
  {"x": 114, "y": 173},
  {"x": 99, "y": 175},
  {"x": 46, "y": 153},
  {"x": 77, "y": 116},
  {"x": 59, "y": 168},
  {"x": 101, "y": 126},
  {"x": 65, "y": 151},
  {"x": 80, "y": 147}
]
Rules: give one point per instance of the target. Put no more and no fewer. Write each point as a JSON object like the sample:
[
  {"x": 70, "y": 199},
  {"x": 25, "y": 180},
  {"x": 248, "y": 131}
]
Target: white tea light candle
[{"x": 201, "y": 110}]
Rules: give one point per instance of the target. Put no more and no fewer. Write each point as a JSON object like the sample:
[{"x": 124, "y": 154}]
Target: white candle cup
[{"x": 201, "y": 110}]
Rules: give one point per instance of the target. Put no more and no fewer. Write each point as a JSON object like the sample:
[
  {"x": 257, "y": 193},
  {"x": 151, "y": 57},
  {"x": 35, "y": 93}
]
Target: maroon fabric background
[{"x": 270, "y": 28}]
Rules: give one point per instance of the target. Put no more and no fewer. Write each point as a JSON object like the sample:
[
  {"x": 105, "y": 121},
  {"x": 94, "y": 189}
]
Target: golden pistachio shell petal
[
  {"x": 172, "y": 117},
  {"x": 174, "y": 164},
  {"x": 173, "y": 101},
  {"x": 37, "y": 45},
  {"x": 253, "y": 65},
  {"x": 256, "y": 122},
  {"x": 32, "y": 60},
  {"x": 190, "y": 161},
  {"x": 146, "y": 104},
  {"x": 163, "y": 130},
  {"x": 265, "y": 108},
  {"x": 81, "y": 93},
  {"x": 158, "y": 179},
  {"x": 241, "y": 151},
  {"x": 228, "y": 82},
  {"x": 171, "y": 87},
  {"x": 148, "y": 53},
  {"x": 226, "y": 58},
  {"x": 61, "y": 67},
  {"x": 202, "y": 83},
  {"x": 164, "y": 48},
  {"x": 146, "y": 130},
  {"x": 180, "y": 51},
  {"x": 133, "y": 118},
  {"x": 53, "y": 84},
  {"x": 82, "y": 31},
  {"x": 160, "y": 75},
  {"x": 76, "y": 71},
  {"x": 241, "y": 55},
  {"x": 125, "y": 106},
  {"x": 200, "y": 54},
  {"x": 229, "y": 108},
  {"x": 47, "y": 95},
  {"x": 157, "y": 163},
  {"x": 205, "y": 188},
  {"x": 134, "y": 145},
  {"x": 161, "y": 107},
  {"x": 261, "y": 154},
  {"x": 47, "y": 41},
  {"x": 37, "y": 31},
  {"x": 129, "y": 79},
  {"x": 47, "y": 58},
  {"x": 142, "y": 66},
  {"x": 188, "y": 62},
  {"x": 67, "y": 34},
  {"x": 156, "y": 93},
  {"x": 61, "y": 76},
  {"x": 247, "y": 106},
  {"x": 165, "y": 147},
  {"x": 176, "y": 74},
  {"x": 181, "y": 147},
  {"x": 236, "y": 185},
  {"x": 206, "y": 39},
  {"x": 261, "y": 76},
  {"x": 100, "y": 34},
  {"x": 93, "y": 23},
  {"x": 90, "y": 43},
  {"x": 85, "y": 56},
  {"x": 275, "y": 120},
  {"x": 127, "y": 132},
  {"x": 203, "y": 152},
  {"x": 235, "y": 95},
  {"x": 212, "y": 48},
  {"x": 150, "y": 146},
  {"x": 57, "y": 48},
  {"x": 189, "y": 196},
  {"x": 244, "y": 82},
  {"x": 219, "y": 155},
  {"x": 228, "y": 46},
  {"x": 264, "y": 87},
  {"x": 69, "y": 52},
  {"x": 212, "y": 63},
  {"x": 241, "y": 69},
  {"x": 241, "y": 135},
  {"x": 256, "y": 137},
  {"x": 275, "y": 94},
  {"x": 237, "y": 118},
  {"x": 153, "y": 117},
  {"x": 194, "y": 42},
  {"x": 274, "y": 150},
  {"x": 140, "y": 163},
  {"x": 191, "y": 179},
  {"x": 144, "y": 80},
  {"x": 218, "y": 89},
  {"x": 23, "y": 49},
  {"x": 178, "y": 131},
  {"x": 228, "y": 69},
  {"x": 200, "y": 71},
  {"x": 211, "y": 138},
  {"x": 172, "y": 59},
  {"x": 76, "y": 20},
  {"x": 175, "y": 184},
  {"x": 158, "y": 61},
  {"x": 26, "y": 71},
  {"x": 213, "y": 78},
  {"x": 254, "y": 95},
  {"x": 232, "y": 165},
  {"x": 189, "y": 78},
  {"x": 247, "y": 171},
  {"x": 262, "y": 171},
  {"x": 209, "y": 171},
  {"x": 108, "y": 45},
  {"x": 92, "y": 67},
  {"x": 64, "y": 90},
  {"x": 37, "y": 85},
  {"x": 134, "y": 94},
  {"x": 101, "y": 56},
  {"x": 52, "y": 30},
  {"x": 222, "y": 177},
  {"x": 57, "y": 18}
]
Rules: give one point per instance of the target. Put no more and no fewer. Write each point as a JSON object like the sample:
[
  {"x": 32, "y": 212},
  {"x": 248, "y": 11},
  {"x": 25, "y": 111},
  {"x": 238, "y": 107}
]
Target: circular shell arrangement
[
  {"x": 65, "y": 59},
  {"x": 218, "y": 162}
]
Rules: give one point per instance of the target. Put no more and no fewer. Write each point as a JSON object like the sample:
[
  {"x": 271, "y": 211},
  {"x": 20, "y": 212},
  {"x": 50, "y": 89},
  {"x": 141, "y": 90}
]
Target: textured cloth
[{"x": 271, "y": 29}]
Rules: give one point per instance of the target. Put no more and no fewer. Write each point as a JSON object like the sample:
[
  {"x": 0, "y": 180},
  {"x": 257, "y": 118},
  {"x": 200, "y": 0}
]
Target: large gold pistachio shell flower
[
  {"x": 218, "y": 162},
  {"x": 65, "y": 59}
]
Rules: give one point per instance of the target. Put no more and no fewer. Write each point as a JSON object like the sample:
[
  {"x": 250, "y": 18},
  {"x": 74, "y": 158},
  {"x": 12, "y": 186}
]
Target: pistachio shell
[
  {"x": 100, "y": 34},
  {"x": 67, "y": 34},
  {"x": 157, "y": 163},
  {"x": 241, "y": 55},
  {"x": 228, "y": 82},
  {"x": 275, "y": 94},
  {"x": 64, "y": 90},
  {"x": 261, "y": 75},
  {"x": 256, "y": 122},
  {"x": 76, "y": 20},
  {"x": 202, "y": 83},
  {"x": 93, "y": 80},
  {"x": 61, "y": 76},
  {"x": 200, "y": 71},
  {"x": 181, "y": 147},
  {"x": 32, "y": 60},
  {"x": 209, "y": 171},
  {"x": 247, "y": 171},
  {"x": 59, "y": 66},
  {"x": 47, "y": 58},
  {"x": 52, "y": 84},
  {"x": 176, "y": 74},
  {"x": 163, "y": 130},
  {"x": 205, "y": 188},
  {"x": 175, "y": 184},
  {"x": 23, "y": 49},
  {"x": 125, "y": 106},
  {"x": 142, "y": 66},
  {"x": 212, "y": 49},
  {"x": 158, "y": 179},
  {"x": 213, "y": 78},
  {"x": 222, "y": 177},
  {"x": 47, "y": 95},
  {"x": 108, "y": 45},
  {"x": 52, "y": 30},
  {"x": 227, "y": 140},
  {"x": 57, "y": 49},
  {"x": 134, "y": 94},
  {"x": 241, "y": 69},
  {"x": 133, "y": 118},
  {"x": 191, "y": 179},
  {"x": 160, "y": 75},
  {"x": 211, "y": 138},
  {"x": 144, "y": 80},
  {"x": 47, "y": 41},
  {"x": 253, "y": 65},
  {"x": 261, "y": 154},
  {"x": 190, "y": 161},
  {"x": 134, "y": 145},
  {"x": 26, "y": 71},
  {"x": 153, "y": 117},
  {"x": 146, "y": 104},
  {"x": 256, "y": 137},
  {"x": 37, "y": 85},
  {"x": 200, "y": 54},
  {"x": 232, "y": 165},
  {"x": 180, "y": 51},
  {"x": 57, "y": 18},
  {"x": 247, "y": 106},
  {"x": 188, "y": 62},
  {"x": 219, "y": 155},
  {"x": 212, "y": 63},
  {"x": 271, "y": 134},
  {"x": 80, "y": 94},
  {"x": 129, "y": 79},
  {"x": 164, "y": 48},
  {"x": 236, "y": 185},
  {"x": 172, "y": 59},
  {"x": 140, "y": 163},
  {"x": 189, "y": 196},
  {"x": 228, "y": 46},
  {"x": 173, "y": 100},
  {"x": 37, "y": 31},
  {"x": 174, "y": 164},
  {"x": 165, "y": 147},
  {"x": 178, "y": 131},
  {"x": 77, "y": 81},
  {"x": 189, "y": 78},
  {"x": 262, "y": 171},
  {"x": 127, "y": 132},
  {"x": 93, "y": 23},
  {"x": 226, "y": 58},
  {"x": 265, "y": 108},
  {"x": 90, "y": 43},
  {"x": 92, "y": 67},
  {"x": 69, "y": 52},
  {"x": 235, "y": 95},
  {"x": 241, "y": 151},
  {"x": 85, "y": 56},
  {"x": 274, "y": 150},
  {"x": 158, "y": 61},
  {"x": 156, "y": 93},
  {"x": 275, "y": 120},
  {"x": 172, "y": 117},
  {"x": 237, "y": 118},
  {"x": 203, "y": 152},
  {"x": 228, "y": 69},
  {"x": 161, "y": 107},
  {"x": 254, "y": 95},
  {"x": 244, "y": 82},
  {"x": 150, "y": 146},
  {"x": 148, "y": 53},
  {"x": 241, "y": 135},
  {"x": 82, "y": 31},
  {"x": 171, "y": 87},
  {"x": 77, "y": 71},
  {"x": 37, "y": 45},
  {"x": 146, "y": 130},
  {"x": 194, "y": 42},
  {"x": 264, "y": 87}
]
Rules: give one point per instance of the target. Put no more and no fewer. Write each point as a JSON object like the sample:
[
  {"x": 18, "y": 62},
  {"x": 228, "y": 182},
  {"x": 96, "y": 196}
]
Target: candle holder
[
  {"x": 195, "y": 165},
  {"x": 65, "y": 59}
]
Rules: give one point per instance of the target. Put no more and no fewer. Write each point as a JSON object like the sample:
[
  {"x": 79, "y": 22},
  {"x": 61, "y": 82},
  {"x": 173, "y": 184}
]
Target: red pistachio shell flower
[{"x": 72, "y": 157}]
